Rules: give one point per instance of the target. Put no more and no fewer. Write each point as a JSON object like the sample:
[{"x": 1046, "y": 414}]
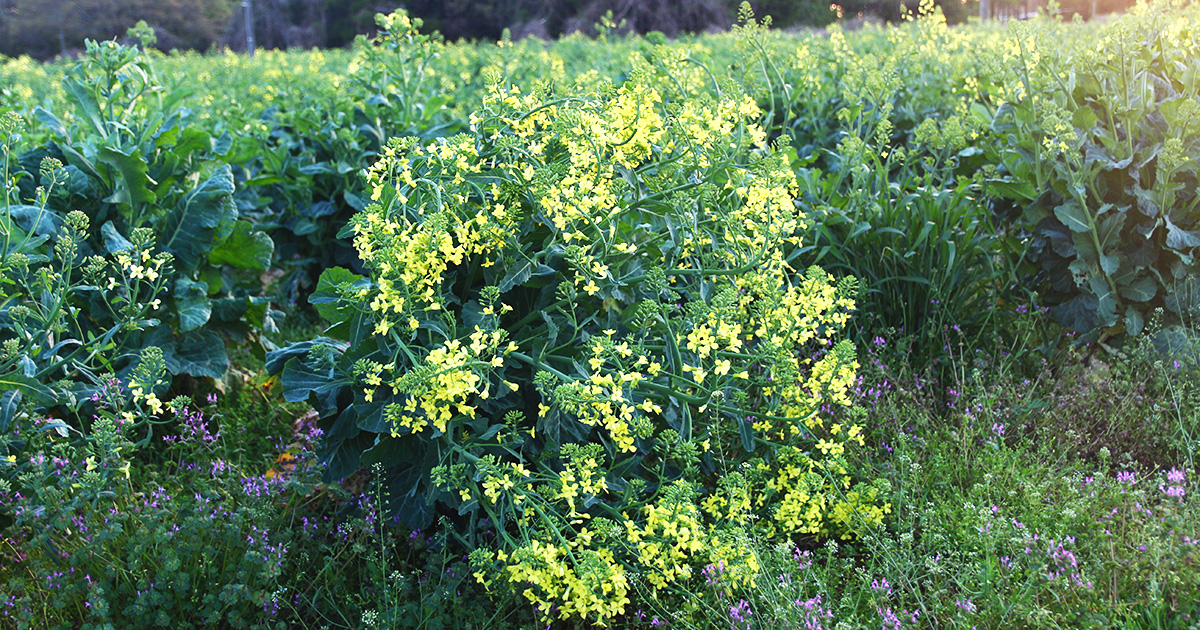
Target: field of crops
[{"x": 886, "y": 328}]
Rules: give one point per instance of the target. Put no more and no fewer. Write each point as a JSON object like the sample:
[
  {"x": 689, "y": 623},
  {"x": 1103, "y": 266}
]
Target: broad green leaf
[
  {"x": 341, "y": 462},
  {"x": 1141, "y": 290},
  {"x": 327, "y": 297},
  {"x": 17, "y": 381},
  {"x": 198, "y": 353},
  {"x": 86, "y": 107},
  {"x": 559, "y": 428},
  {"x": 1183, "y": 298},
  {"x": 51, "y": 122},
  {"x": 192, "y": 304},
  {"x": 1084, "y": 118},
  {"x": 58, "y": 426},
  {"x": 114, "y": 241},
  {"x": 1078, "y": 313},
  {"x": 10, "y": 401},
  {"x": 130, "y": 182},
  {"x": 516, "y": 275},
  {"x": 1178, "y": 238},
  {"x": 1106, "y": 301},
  {"x": 222, "y": 144},
  {"x": 746, "y": 430},
  {"x": 1134, "y": 321},
  {"x": 189, "y": 228},
  {"x": 1074, "y": 216},
  {"x": 34, "y": 219},
  {"x": 407, "y": 494},
  {"x": 245, "y": 248},
  {"x": 371, "y": 417}
]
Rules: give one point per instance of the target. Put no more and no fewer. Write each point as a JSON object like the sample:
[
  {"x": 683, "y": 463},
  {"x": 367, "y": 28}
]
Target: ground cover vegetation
[{"x": 893, "y": 328}]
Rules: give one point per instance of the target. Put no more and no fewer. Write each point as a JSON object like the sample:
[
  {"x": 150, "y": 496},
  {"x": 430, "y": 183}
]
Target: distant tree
[
  {"x": 44, "y": 28},
  {"x": 346, "y": 19},
  {"x": 281, "y": 24}
]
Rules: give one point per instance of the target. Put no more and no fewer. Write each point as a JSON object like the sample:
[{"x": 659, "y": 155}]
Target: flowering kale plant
[{"x": 580, "y": 337}]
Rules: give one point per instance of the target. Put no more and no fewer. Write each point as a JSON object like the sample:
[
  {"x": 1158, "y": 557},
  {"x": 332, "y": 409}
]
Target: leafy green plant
[
  {"x": 908, "y": 224},
  {"x": 131, "y": 161},
  {"x": 1099, "y": 149},
  {"x": 577, "y": 312}
]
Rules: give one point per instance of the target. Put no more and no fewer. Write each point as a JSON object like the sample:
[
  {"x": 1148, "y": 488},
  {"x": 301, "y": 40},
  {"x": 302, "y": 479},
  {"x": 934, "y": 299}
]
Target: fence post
[{"x": 249, "y": 26}]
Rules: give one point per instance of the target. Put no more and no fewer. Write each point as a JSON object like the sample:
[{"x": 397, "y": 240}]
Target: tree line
[{"x": 48, "y": 28}]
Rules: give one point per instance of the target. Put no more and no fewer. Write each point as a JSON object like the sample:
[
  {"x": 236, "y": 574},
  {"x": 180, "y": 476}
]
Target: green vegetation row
[{"x": 588, "y": 309}]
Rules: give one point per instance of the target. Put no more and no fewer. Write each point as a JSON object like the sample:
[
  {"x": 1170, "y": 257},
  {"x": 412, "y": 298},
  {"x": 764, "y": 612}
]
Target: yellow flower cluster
[
  {"x": 582, "y": 583},
  {"x": 810, "y": 496},
  {"x": 668, "y": 540},
  {"x": 664, "y": 545},
  {"x": 446, "y": 384},
  {"x": 579, "y": 479},
  {"x": 797, "y": 488},
  {"x": 604, "y": 400},
  {"x": 498, "y": 482},
  {"x": 858, "y": 511},
  {"x": 412, "y": 246}
]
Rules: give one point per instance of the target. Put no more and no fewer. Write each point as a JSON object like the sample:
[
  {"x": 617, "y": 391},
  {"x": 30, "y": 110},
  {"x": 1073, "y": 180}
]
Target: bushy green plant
[
  {"x": 578, "y": 319},
  {"x": 131, "y": 161},
  {"x": 904, "y": 218},
  {"x": 1098, "y": 146},
  {"x": 51, "y": 356}
]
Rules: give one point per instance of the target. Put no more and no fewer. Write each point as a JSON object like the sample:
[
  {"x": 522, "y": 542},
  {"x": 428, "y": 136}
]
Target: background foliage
[
  {"x": 681, "y": 431},
  {"x": 46, "y": 28}
]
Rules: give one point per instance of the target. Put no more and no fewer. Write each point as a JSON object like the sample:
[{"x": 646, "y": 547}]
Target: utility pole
[{"x": 249, "y": 26}]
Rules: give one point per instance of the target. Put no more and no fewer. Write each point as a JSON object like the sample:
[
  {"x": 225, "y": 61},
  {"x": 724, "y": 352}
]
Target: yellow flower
[{"x": 154, "y": 404}]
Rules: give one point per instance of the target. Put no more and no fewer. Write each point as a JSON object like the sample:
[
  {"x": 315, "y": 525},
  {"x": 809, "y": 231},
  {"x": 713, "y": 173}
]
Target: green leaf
[
  {"x": 1178, "y": 238},
  {"x": 327, "y": 297},
  {"x": 114, "y": 241},
  {"x": 189, "y": 228},
  {"x": 1183, "y": 298},
  {"x": 10, "y": 401},
  {"x": 1084, "y": 118},
  {"x": 51, "y": 122},
  {"x": 16, "y": 381},
  {"x": 246, "y": 248},
  {"x": 558, "y": 428},
  {"x": 299, "y": 377},
  {"x": 131, "y": 181},
  {"x": 746, "y": 429},
  {"x": 35, "y": 220},
  {"x": 1074, "y": 216},
  {"x": 1016, "y": 189},
  {"x": 192, "y": 304},
  {"x": 1134, "y": 321},
  {"x": 1106, "y": 301},
  {"x": 407, "y": 495},
  {"x": 58, "y": 426},
  {"x": 86, "y": 107},
  {"x": 371, "y": 417},
  {"x": 516, "y": 276},
  {"x": 222, "y": 144},
  {"x": 1141, "y": 290},
  {"x": 198, "y": 353},
  {"x": 342, "y": 459},
  {"x": 1078, "y": 313},
  {"x": 76, "y": 159}
]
